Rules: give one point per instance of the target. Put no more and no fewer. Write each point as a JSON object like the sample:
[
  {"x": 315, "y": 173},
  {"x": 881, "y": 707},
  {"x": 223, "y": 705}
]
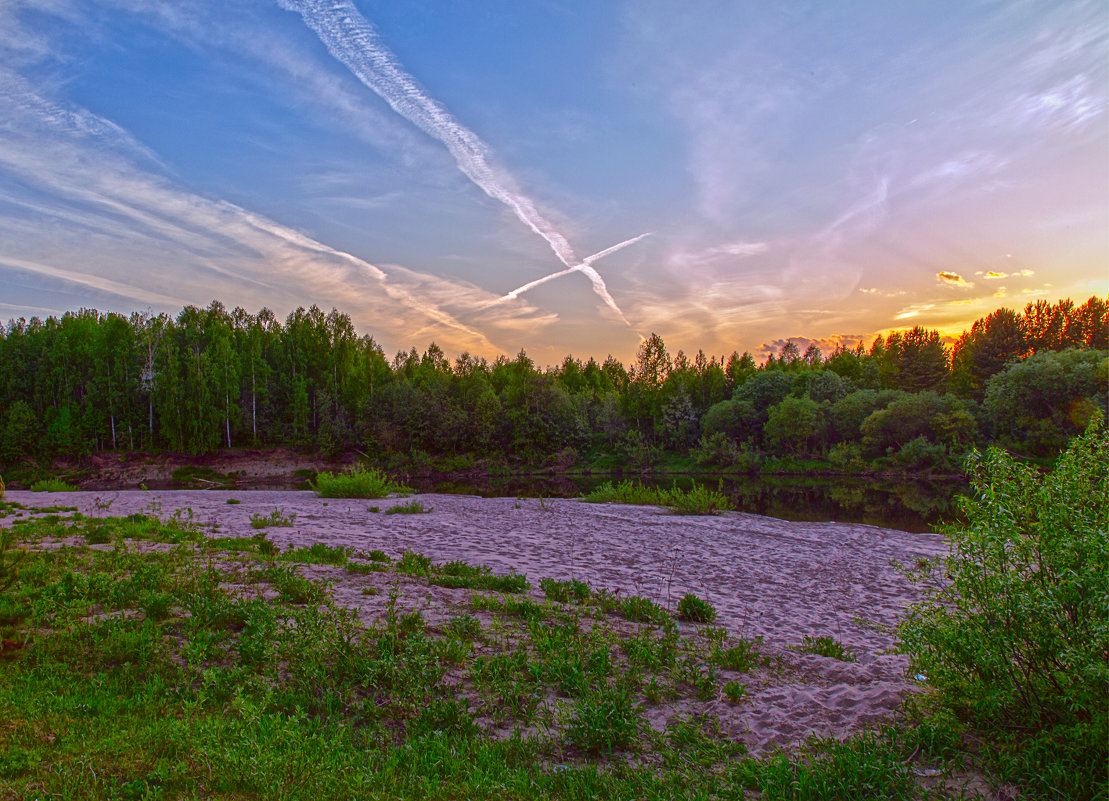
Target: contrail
[
  {"x": 585, "y": 267},
  {"x": 353, "y": 40}
]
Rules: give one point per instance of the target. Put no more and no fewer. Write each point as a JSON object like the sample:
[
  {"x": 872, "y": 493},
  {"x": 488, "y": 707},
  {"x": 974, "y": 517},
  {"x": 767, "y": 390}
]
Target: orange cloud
[{"x": 954, "y": 279}]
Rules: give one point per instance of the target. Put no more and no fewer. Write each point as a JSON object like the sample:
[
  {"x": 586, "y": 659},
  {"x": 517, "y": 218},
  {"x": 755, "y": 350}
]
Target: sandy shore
[{"x": 766, "y": 577}]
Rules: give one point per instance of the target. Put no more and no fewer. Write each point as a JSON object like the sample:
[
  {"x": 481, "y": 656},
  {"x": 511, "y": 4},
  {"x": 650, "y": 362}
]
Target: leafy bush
[
  {"x": 357, "y": 482},
  {"x": 735, "y": 691},
  {"x": 604, "y": 721},
  {"x": 695, "y": 609},
  {"x": 1013, "y": 626},
  {"x": 52, "y": 485}
]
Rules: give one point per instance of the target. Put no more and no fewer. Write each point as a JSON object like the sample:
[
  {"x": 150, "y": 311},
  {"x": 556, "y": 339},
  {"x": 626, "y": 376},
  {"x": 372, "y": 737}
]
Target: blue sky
[{"x": 804, "y": 170}]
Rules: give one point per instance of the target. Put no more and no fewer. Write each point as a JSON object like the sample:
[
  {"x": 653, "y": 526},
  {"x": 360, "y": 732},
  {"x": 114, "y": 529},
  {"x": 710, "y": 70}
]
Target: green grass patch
[
  {"x": 826, "y": 646},
  {"x": 275, "y": 518},
  {"x": 52, "y": 485},
  {"x": 413, "y": 507},
  {"x": 357, "y": 482}
]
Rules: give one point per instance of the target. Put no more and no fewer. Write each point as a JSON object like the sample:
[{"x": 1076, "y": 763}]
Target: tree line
[{"x": 210, "y": 378}]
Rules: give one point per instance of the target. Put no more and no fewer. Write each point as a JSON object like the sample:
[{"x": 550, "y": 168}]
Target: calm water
[{"x": 907, "y": 506}]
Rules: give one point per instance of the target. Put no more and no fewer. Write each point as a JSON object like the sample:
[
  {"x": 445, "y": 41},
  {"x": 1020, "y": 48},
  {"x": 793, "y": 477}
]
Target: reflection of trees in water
[{"x": 910, "y": 506}]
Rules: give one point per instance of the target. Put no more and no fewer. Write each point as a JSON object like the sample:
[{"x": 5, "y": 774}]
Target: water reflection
[{"x": 916, "y": 506}]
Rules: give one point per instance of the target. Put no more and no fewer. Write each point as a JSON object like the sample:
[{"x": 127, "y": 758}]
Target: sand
[{"x": 766, "y": 577}]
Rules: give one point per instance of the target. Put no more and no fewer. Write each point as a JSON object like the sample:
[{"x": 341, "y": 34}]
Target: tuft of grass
[
  {"x": 695, "y": 610},
  {"x": 357, "y": 482},
  {"x": 52, "y": 485},
  {"x": 233, "y": 501},
  {"x": 605, "y": 721},
  {"x": 318, "y": 554},
  {"x": 643, "y": 610},
  {"x": 826, "y": 646},
  {"x": 565, "y": 591},
  {"x": 627, "y": 492},
  {"x": 274, "y": 518},
  {"x": 743, "y": 656},
  {"x": 735, "y": 691},
  {"x": 413, "y": 507},
  {"x": 697, "y": 501}
]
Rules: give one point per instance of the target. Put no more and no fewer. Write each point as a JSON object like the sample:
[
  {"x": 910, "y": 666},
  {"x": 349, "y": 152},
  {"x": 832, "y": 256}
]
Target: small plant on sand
[
  {"x": 826, "y": 646},
  {"x": 735, "y": 691},
  {"x": 274, "y": 518},
  {"x": 357, "y": 482},
  {"x": 318, "y": 553},
  {"x": 643, "y": 610},
  {"x": 414, "y": 507},
  {"x": 743, "y": 656},
  {"x": 564, "y": 591},
  {"x": 695, "y": 610},
  {"x": 233, "y": 501},
  {"x": 52, "y": 485},
  {"x": 1, "y": 487}
]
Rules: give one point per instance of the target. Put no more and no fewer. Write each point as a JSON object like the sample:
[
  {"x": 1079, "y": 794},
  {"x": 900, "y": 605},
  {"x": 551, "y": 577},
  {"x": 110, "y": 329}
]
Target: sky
[{"x": 564, "y": 176}]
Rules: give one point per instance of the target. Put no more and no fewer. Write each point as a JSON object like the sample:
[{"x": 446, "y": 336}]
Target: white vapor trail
[
  {"x": 585, "y": 266},
  {"x": 353, "y": 40}
]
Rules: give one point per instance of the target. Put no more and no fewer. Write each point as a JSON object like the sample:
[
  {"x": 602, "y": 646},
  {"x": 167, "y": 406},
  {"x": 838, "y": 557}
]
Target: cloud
[
  {"x": 953, "y": 279},
  {"x": 143, "y": 239},
  {"x": 354, "y": 41},
  {"x": 994, "y": 275}
]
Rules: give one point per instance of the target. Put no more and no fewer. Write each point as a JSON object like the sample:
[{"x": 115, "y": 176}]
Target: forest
[{"x": 210, "y": 378}]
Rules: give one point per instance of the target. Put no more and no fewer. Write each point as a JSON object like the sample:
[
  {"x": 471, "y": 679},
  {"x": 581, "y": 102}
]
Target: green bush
[
  {"x": 695, "y": 609},
  {"x": 697, "y": 501},
  {"x": 628, "y": 492},
  {"x": 410, "y": 508},
  {"x": 1013, "y": 626},
  {"x": 274, "y": 518},
  {"x": 357, "y": 482}
]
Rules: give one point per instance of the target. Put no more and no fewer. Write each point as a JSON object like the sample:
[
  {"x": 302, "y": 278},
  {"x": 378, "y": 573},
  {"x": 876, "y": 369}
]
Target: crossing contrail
[
  {"x": 353, "y": 40},
  {"x": 586, "y": 268}
]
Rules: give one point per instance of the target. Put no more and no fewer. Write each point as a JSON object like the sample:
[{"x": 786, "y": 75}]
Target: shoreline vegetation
[
  {"x": 82, "y": 389},
  {"x": 151, "y": 655}
]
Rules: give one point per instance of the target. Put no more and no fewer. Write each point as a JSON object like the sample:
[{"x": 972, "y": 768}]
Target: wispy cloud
[
  {"x": 124, "y": 213},
  {"x": 994, "y": 275}
]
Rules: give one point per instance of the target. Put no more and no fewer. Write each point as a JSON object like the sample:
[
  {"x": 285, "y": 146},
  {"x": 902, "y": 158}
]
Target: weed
[
  {"x": 695, "y": 609},
  {"x": 318, "y": 554},
  {"x": 413, "y": 563},
  {"x": 357, "y": 482},
  {"x": 735, "y": 691},
  {"x": 643, "y": 610},
  {"x": 274, "y": 518},
  {"x": 413, "y": 507},
  {"x": 743, "y": 656},
  {"x": 233, "y": 501},
  {"x": 564, "y": 591},
  {"x": 52, "y": 485},
  {"x": 604, "y": 721},
  {"x": 378, "y": 556},
  {"x": 826, "y": 646}
]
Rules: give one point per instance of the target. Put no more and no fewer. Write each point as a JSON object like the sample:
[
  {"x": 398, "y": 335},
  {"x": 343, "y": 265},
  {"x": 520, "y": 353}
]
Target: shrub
[
  {"x": 357, "y": 482},
  {"x": 735, "y": 691},
  {"x": 697, "y": 501},
  {"x": 694, "y": 609},
  {"x": 604, "y": 721},
  {"x": 628, "y": 492},
  {"x": 1013, "y": 626},
  {"x": 52, "y": 485},
  {"x": 564, "y": 591}
]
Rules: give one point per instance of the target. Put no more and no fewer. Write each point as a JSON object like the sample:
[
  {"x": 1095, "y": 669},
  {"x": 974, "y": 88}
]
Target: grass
[
  {"x": 274, "y": 518},
  {"x": 52, "y": 485},
  {"x": 413, "y": 507},
  {"x": 169, "y": 673},
  {"x": 357, "y": 482},
  {"x": 826, "y": 646},
  {"x": 696, "y": 501}
]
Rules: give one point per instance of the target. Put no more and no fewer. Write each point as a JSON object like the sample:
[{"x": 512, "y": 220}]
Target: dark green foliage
[
  {"x": 52, "y": 485},
  {"x": 605, "y": 721},
  {"x": 643, "y": 610},
  {"x": 565, "y": 591},
  {"x": 274, "y": 518}
]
